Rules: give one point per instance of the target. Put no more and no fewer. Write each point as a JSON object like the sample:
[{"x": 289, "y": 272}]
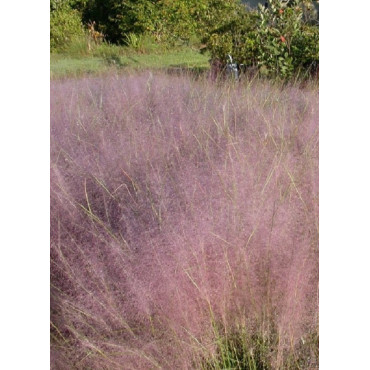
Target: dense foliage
[
  {"x": 286, "y": 40},
  {"x": 165, "y": 20},
  {"x": 65, "y": 25},
  {"x": 279, "y": 39}
]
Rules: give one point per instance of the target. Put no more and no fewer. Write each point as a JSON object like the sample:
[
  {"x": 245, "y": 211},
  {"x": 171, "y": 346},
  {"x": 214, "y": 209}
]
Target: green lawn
[{"x": 64, "y": 65}]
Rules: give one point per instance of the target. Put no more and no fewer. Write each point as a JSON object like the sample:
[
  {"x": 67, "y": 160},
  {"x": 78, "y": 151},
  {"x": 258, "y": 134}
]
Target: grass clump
[
  {"x": 257, "y": 351},
  {"x": 184, "y": 223}
]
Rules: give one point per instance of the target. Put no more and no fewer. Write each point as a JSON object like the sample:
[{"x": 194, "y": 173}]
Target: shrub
[
  {"x": 116, "y": 19},
  {"x": 280, "y": 39},
  {"x": 166, "y": 21},
  {"x": 237, "y": 36},
  {"x": 285, "y": 42},
  {"x": 65, "y": 28}
]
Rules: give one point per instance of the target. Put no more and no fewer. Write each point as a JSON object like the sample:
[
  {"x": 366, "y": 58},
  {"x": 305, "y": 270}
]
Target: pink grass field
[{"x": 184, "y": 214}]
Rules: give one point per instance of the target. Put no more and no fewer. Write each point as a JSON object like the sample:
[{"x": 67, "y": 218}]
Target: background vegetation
[{"x": 281, "y": 40}]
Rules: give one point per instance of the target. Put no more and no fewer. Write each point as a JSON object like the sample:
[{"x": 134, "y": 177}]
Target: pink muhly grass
[{"x": 182, "y": 212}]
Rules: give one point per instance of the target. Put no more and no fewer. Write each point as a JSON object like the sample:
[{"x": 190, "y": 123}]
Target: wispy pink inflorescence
[{"x": 178, "y": 206}]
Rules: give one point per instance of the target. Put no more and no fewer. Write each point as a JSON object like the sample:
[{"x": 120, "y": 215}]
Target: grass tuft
[{"x": 184, "y": 223}]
